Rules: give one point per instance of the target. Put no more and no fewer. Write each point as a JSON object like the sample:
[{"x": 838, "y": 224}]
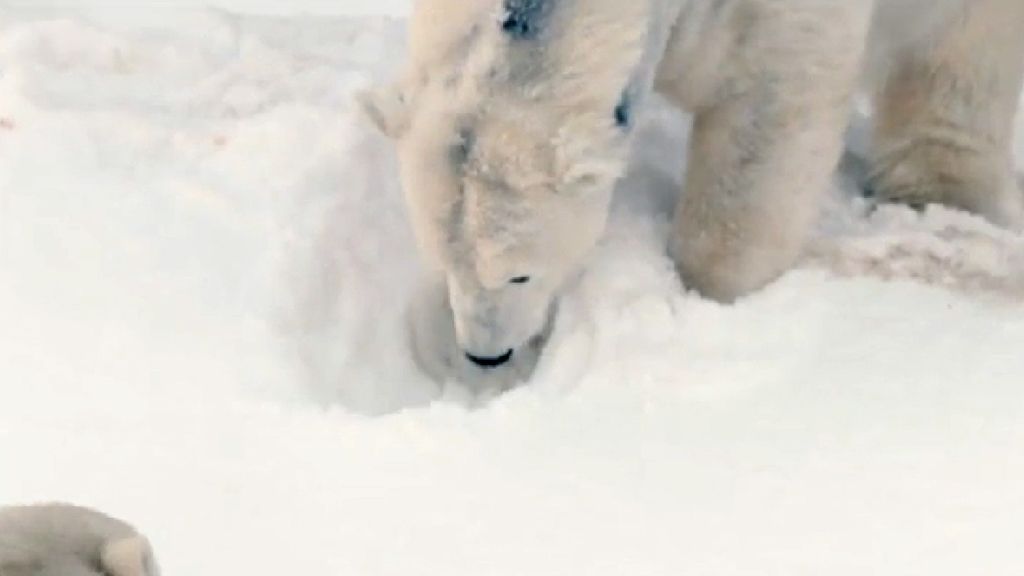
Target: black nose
[{"x": 488, "y": 363}]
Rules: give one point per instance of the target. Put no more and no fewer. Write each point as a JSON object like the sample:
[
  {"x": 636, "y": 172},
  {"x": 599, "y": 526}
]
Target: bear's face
[
  {"x": 506, "y": 202},
  {"x": 512, "y": 127},
  {"x": 507, "y": 205}
]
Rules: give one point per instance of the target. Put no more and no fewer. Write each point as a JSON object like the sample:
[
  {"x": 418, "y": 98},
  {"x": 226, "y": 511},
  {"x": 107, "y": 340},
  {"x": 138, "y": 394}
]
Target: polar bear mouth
[{"x": 489, "y": 363}]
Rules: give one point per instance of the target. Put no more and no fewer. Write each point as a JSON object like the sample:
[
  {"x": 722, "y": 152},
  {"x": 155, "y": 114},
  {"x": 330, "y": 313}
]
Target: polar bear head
[{"x": 512, "y": 126}]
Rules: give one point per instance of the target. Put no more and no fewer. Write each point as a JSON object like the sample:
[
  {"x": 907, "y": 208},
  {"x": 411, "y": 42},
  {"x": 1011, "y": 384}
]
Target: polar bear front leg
[
  {"x": 758, "y": 166},
  {"x": 945, "y": 111},
  {"x": 770, "y": 84}
]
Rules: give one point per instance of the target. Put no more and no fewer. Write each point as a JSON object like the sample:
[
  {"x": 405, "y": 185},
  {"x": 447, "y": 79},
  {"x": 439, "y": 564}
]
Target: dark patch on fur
[
  {"x": 624, "y": 110},
  {"x": 524, "y": 19},
  {"x": 460, "y": 150},
  {"x": 855, "y": 170},
  {"x": 459, "y": 153}
]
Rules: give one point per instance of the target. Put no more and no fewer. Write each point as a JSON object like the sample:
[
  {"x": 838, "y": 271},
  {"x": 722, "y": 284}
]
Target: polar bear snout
[
  {"x": 443, "y": 356},
  {"x": 491, "y": 326},
  {"x": 494, "y": 344}
]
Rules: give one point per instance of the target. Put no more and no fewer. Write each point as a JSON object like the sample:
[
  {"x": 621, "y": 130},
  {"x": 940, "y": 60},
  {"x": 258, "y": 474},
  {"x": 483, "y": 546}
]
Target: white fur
[
  {"x": 509, "y": 148},
  {"x": 945, "y": 108},
  {"x": 63, "y": 540}
]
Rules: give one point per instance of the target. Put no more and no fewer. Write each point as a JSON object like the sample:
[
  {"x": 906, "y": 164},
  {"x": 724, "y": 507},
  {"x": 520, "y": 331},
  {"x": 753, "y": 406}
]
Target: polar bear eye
[
  {"x": 520, "y": 280},
  {"x": 624, "y": 111}
]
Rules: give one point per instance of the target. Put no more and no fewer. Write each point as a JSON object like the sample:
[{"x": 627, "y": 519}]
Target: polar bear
[
  {"x": 514, "y": 118},
  {"x": 65, "y": 540}
]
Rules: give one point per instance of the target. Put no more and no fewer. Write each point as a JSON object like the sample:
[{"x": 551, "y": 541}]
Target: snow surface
[{"x": 204, "y": 262}]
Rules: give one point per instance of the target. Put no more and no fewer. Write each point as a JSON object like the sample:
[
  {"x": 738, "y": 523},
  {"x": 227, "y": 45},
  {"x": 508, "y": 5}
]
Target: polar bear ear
[
  {"x": 387, "y": 107},
  {"x": 130, "y": 556}
]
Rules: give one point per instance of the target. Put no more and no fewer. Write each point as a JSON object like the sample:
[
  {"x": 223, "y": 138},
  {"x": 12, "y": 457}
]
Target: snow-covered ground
[{"x": 204, "y": 263}]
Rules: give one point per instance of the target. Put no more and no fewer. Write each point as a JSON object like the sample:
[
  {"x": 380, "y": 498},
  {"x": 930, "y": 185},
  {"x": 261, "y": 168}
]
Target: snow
[{"x": 204, "y": 264}]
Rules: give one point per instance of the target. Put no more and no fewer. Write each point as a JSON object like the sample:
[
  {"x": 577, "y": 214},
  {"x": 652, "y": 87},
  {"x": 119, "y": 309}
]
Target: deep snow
[{"x": 203, "y": 266}]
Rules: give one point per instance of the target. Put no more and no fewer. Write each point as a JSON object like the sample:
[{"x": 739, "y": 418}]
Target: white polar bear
[
  {"x": 64, "y": 540},
  {"x": 513, "y": 123}
]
